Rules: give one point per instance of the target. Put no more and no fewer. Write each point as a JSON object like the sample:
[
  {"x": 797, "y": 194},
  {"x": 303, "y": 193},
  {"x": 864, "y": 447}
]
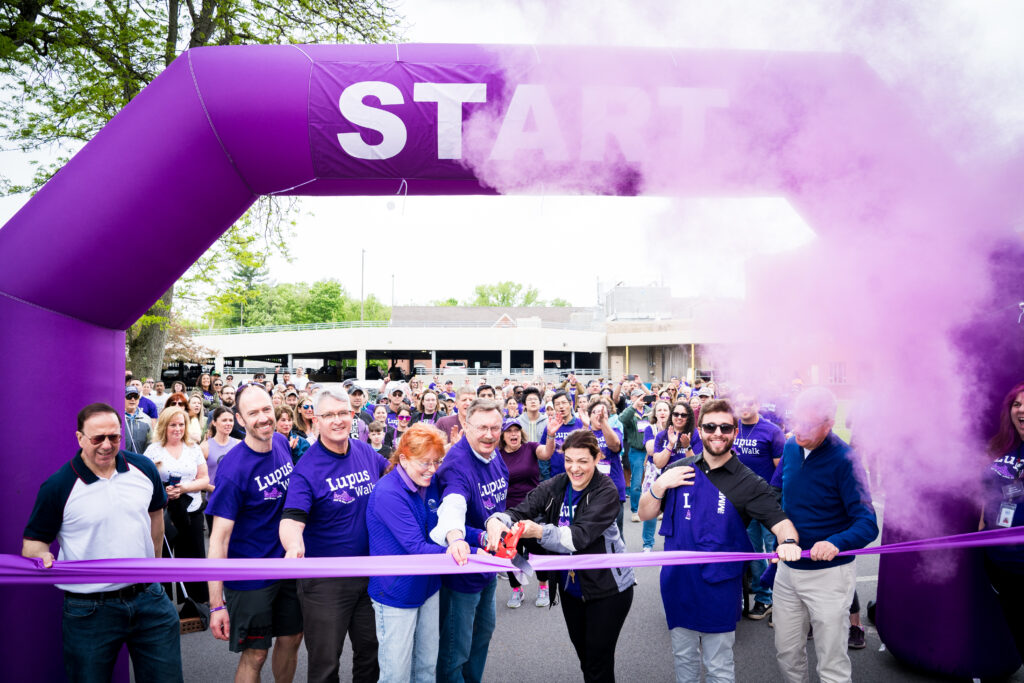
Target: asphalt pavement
[{"x": 531, "y": 644}]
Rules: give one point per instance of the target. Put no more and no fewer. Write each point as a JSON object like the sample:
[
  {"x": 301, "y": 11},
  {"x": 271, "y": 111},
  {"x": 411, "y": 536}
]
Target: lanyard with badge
[{"x": 1011, "y": 494}]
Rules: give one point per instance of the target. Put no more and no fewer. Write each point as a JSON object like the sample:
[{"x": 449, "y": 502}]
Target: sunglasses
[
  {"x": 711, "y": 428},
  {"x": 404, "y": 418},
  {"x": 100, "y": 438},
  {"x": 177, "y": 403},
  {"x": 307, "y": 406},
  {"x": 678, "y": 414}
]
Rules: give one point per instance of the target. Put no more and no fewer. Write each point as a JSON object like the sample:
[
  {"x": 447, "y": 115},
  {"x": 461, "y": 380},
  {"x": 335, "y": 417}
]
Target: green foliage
[
  {"x": 558, "y": 301},
  {"x": 506, "y": 293},
  {"x": 289, "y": 304},
  {"x": 451, "y": 301}
]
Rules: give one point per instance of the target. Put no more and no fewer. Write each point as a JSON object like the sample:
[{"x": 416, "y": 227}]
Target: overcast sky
[{"x": 564, "y": 245}]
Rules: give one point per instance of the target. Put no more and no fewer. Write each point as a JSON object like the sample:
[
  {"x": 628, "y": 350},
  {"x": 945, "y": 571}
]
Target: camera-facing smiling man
[
  {"x": 708, "y": 502},
  {"x": 246, "y": 505},
  {"x": 474, "y": 485},
  {"x": 107, "y": 503}
]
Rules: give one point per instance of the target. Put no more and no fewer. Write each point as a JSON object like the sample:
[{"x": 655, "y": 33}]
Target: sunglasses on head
[
  {"x": 711, "y": 427},
  {"x": 100, "y": 438}
]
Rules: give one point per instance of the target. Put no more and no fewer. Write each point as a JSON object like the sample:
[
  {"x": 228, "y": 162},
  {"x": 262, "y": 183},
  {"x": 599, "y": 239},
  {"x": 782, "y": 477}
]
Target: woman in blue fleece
[{"x": 402, "y": 508}]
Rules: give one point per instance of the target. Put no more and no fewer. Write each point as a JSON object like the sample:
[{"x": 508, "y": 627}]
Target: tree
[
  {"x": 67, "y": 67},
  {"x": 291, "y": 304},
  {"x": 505, "y": 293}
]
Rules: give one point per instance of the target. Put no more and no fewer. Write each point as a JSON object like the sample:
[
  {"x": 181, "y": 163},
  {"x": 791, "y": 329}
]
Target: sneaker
[
  {"x": 542, "y": 598},
  {"x": 516, "y": 599},
  {"x": 647, "y": 550},
  {"x": 770, "y": 624},
  {"x": 636, "y": 517},
  {"x": 810, "y": 632},
  {"x": 502, "y": 576},
  {"x": 759, "y": 611},
  {"x": 857, "y": 638}
]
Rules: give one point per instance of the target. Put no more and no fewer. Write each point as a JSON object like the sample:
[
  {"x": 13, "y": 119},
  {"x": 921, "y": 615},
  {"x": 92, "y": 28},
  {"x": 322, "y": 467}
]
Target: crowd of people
[{"x": 285, "y": 467}]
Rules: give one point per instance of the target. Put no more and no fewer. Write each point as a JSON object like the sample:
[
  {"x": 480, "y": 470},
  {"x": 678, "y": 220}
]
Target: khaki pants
[{"x": 819, "y": 598}]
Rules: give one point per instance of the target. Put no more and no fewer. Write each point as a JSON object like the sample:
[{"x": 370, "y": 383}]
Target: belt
[{"x": 126, "y": 593}]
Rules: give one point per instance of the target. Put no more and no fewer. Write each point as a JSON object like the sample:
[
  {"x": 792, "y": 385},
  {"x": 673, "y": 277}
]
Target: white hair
[
  {"x": 337, "y": 394},
  {"x": 818, "y": 401}
]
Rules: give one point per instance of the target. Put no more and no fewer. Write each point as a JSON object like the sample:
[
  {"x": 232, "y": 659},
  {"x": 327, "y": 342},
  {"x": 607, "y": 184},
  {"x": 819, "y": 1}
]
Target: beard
[{"x": 718, "y": 450}]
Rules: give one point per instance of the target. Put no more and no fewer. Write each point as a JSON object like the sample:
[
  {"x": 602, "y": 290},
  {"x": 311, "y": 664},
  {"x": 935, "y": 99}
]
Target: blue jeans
[
  {"x": 95, "y": 629},
  {"x": 636, "y": 477},
  {"x": 407, "y": 641},
  {"x": 763, "y": 541},
  {"x": 650, "y": 526},
  {"x": 467, "y": 622}
]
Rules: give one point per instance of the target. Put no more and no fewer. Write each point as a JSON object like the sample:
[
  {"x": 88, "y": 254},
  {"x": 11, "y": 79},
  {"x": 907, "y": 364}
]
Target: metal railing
[{"x": 355, "y": 324}]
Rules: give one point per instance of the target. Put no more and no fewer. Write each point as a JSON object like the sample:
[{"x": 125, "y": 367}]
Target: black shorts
[{"x": 258, "y": 616}]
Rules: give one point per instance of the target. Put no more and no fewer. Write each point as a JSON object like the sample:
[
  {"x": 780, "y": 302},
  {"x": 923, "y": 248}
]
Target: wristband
[
  {"x": 651, "y": 491},
  {"x": 482, "y": 541},
  {"x": 215, "y": 609},
  {"x": 790, "y": 540}
]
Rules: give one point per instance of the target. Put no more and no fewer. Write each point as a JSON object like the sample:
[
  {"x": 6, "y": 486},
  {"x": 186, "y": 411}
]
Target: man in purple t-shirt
[
  {"x": 474, "y": 485},
  {"x": 246, "y": 506},
  {"x": 453, "y": 426},
  {"x": 759, "y": 445},
  {"x": 325, "y": 516}
]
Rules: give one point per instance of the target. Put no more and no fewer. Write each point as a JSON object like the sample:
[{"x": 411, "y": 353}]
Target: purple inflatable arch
[{"x": 224, "y": 125}]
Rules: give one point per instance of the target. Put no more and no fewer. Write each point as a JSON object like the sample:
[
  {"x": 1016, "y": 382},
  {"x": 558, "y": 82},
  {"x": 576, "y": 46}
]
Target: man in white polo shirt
[{"x": 107, "y": 503}]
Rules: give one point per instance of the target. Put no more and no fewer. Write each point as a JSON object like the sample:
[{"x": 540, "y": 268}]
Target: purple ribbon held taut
[{"x": 14, "y": 569}]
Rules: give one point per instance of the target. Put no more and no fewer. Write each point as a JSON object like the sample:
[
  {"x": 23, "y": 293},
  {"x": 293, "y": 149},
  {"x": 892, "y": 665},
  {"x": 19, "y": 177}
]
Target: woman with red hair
[
  {"x": 402, "y": 509},
  {"x": 1004, "y": 507}
]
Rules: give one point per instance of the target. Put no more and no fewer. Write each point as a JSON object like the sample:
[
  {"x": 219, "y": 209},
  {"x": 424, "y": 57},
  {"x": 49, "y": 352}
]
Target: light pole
[{"x": 362, "y": 285}]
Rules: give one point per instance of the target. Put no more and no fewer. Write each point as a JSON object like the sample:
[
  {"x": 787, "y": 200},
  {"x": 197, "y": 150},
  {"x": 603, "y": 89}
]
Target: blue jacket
[
  {"x": 826, "y": 498},
  {"x": 397, "y": 520}
]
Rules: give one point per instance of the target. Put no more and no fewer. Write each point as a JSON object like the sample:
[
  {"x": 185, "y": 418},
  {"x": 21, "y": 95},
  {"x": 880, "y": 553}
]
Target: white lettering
[
  {"x": 547, "y": 134},
  {"x": 449, "y": 97},
  {"x": 686, "y": 500},
  {"x": 694, "y": 104},
  {"x": 618, "y": 112},
  {"x": 389, "y": 125}
]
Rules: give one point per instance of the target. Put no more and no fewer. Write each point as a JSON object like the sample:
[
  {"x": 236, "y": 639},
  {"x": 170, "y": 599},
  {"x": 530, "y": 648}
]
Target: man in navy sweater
[{"x": 825, "y": 495}]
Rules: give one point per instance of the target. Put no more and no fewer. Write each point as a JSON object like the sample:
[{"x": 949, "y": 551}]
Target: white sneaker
[
  {"x": 516, "y": 599},
  {"x": 542, "y": 598},
  {"x": 636, "y": 517},
  {"x": 647, "y": 550}
]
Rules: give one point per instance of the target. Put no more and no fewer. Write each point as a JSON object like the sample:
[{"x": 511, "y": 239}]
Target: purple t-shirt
[
  {"x": 333, "y": 490},
  {"x": 445, "y": 424},
  {"x": 611, "y": 465},
  {"x": 678, "y": 453},
  {"x": 250, "y": 491},
  {"x": 558, "y": 457},
  {"x": 523, "y": 472},
  {"x": 758, "y": 445},
  {"x": 485, "y": 488},
  {"x": 571, "y": 584}
]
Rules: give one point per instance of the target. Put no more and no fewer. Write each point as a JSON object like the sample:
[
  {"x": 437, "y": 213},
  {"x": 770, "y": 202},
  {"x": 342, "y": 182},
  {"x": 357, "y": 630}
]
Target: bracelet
[
  {"x": 651, "y": 491},
  {"x": 214, "y": 609}
]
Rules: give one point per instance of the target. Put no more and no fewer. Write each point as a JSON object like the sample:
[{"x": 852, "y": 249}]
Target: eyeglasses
[
  {"x": 100, "y": 438},
  {"x": 424, "y": 465},
  {"x": 483, "y": 429},
  {"x": 404, "y": 418},
  {"x": 330, "y": 417},
  {"x": 679, "y": 415},
  {"x": 711, "y": 428}
]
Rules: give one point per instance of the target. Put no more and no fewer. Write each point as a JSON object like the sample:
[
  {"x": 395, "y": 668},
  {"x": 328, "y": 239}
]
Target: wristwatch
[{"x": 791, "y": 540}]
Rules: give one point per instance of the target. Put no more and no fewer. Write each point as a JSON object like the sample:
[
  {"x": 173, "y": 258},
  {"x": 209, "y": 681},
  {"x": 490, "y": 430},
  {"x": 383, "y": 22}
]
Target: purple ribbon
[{"x": 15, "y": 569}]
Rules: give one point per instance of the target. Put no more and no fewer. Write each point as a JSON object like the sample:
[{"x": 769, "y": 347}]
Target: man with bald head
[
  {"x": 246, "y": 505},
  {"x": 825, "y": 495}
]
